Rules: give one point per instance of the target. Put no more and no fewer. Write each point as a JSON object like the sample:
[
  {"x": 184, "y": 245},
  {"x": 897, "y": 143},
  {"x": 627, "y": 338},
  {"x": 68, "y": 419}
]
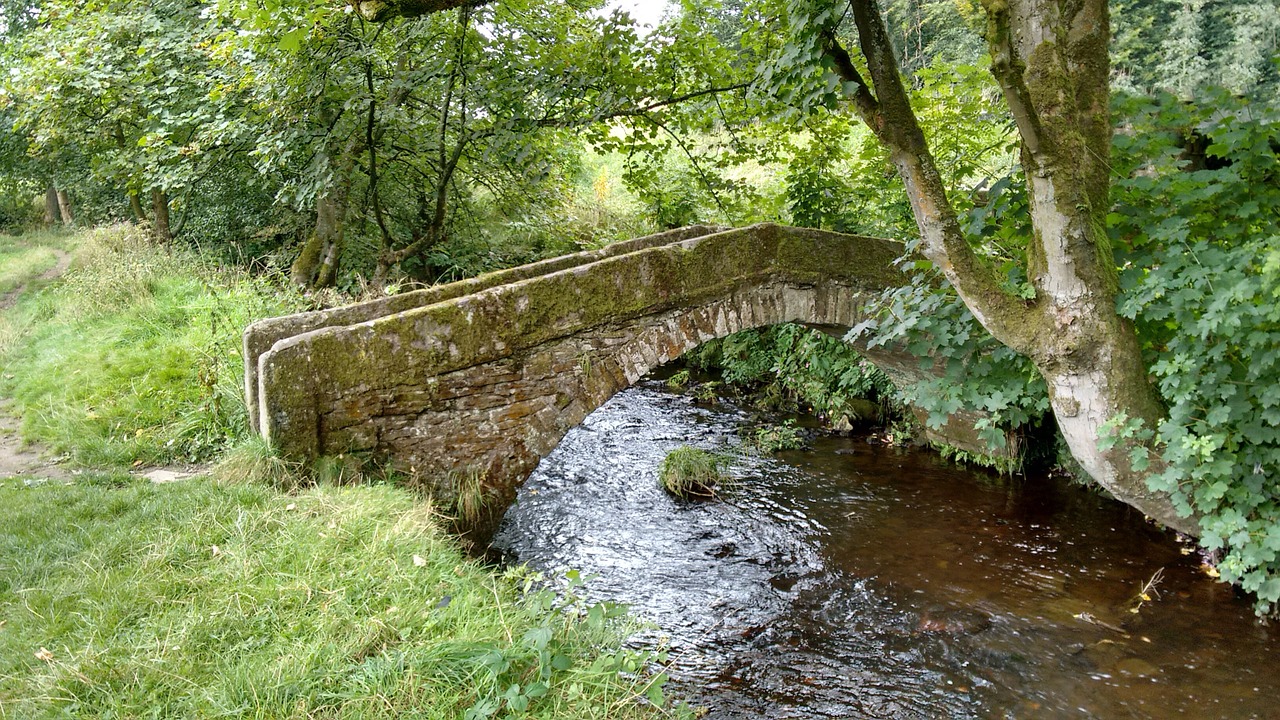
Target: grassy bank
[
  {"x": 134, "y": 356},
  {"x": 210, "y": 598},
  {"x": 200, "y": 599},
  {"x": 23, "y": 259}
]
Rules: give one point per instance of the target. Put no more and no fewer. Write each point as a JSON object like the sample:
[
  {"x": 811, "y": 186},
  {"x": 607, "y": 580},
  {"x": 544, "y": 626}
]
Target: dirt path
[
  {"x": 53, "y": 273},
  {"x": 19, "y": 459}
]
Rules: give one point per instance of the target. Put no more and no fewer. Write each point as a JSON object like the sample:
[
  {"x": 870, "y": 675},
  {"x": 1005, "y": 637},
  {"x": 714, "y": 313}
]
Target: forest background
[{"x": 309, "y": 146}]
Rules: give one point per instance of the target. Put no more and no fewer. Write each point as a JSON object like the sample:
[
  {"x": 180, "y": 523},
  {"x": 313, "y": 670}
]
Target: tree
[
  {"x": 1051, "y": 61},
  {"x": 123, "y": 93}
]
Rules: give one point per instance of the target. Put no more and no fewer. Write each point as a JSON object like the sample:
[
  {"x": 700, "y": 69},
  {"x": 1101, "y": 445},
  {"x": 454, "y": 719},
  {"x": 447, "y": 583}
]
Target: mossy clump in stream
[{"x": 689, "y": 473}]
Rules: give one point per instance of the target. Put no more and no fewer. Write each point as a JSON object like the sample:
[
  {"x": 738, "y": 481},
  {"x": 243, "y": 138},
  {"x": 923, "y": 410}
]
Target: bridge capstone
[{"x": 473, "y": 383}]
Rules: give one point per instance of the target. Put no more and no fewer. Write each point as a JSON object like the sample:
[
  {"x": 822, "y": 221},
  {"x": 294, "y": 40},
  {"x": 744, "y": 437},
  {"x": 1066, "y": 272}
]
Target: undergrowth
[{"x": 790, "y": 367}]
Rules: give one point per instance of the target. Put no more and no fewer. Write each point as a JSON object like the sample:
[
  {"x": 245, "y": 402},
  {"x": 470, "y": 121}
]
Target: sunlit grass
[
  {"x": 200, "y": 599},
  {"x": 134, "y": 356},
  {"x": 25, "y": 258}
]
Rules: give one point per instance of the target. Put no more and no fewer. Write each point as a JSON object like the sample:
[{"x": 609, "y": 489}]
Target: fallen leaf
[
  {"x": 44, "y": 655},
  {"x": 216, "y": 551},
  {"x": 419, "y": 561}
]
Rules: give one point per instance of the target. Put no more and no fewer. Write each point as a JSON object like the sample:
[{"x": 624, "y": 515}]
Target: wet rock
[
  {"x": 952, "y": 621},
  {"x": 1136, "y": 667}
]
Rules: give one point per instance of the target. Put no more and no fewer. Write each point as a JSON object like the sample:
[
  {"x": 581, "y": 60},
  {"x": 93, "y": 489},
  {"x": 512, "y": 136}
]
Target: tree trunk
[
  {"x": 317, "y": 264},
  {"x": 160, "y": 209},
  {"x": 52, "y": 215},
  {"x": 1053, "y": 66},
  {"x": 64, "y": 207},
  {"x": 135, "y": 204}
]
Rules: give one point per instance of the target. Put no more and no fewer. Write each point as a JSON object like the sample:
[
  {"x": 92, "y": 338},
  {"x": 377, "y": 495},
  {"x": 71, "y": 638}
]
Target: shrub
[{"x": 774, "y": 438}]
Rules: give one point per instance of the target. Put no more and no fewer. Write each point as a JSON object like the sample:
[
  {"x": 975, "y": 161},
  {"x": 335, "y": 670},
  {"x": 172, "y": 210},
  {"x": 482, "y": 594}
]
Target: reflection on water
[{"x": 852, "y": 580}]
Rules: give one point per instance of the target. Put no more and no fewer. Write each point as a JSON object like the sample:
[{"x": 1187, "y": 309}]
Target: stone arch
[{"x": 481, "y": 381}]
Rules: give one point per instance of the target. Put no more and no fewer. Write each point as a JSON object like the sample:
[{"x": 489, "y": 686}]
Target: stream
[{"x": 853, "y": 580}]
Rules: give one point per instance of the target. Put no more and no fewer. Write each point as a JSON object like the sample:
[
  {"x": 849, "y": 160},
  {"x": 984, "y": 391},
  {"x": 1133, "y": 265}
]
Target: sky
[{"x": 644, "y": 12}]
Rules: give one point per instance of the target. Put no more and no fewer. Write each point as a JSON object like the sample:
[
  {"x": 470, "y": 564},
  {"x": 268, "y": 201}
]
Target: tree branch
[
  {"x": 379, "y": 10},
  {"x": 863, "y": 100},
  {"x": 943, "y": 241},
  {"x": 1008, "y": 68}
]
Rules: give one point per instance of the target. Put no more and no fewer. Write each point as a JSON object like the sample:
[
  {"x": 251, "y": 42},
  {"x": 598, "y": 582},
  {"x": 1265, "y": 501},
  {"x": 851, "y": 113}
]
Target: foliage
[
  {"x": 1196, "y": 227},
  {"x": 689, "y": 472},
  {"x": 198, "y": 599},
  {"x": 1003, "y": 464},
  {"x": 790, "y": 365},
  {"x": 135, "y": 358},
  {"x": 770, "y": 439},
  {"x": 974, "y": 371},
  {"x": 679, "y": 380},
  {"x": 123, "y": 94},
  {"x": 1183, "y": 47}
]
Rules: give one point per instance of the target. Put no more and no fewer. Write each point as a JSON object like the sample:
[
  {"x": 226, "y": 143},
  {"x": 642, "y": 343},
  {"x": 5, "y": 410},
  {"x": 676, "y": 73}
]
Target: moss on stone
[{"x": 408, "y": 348}]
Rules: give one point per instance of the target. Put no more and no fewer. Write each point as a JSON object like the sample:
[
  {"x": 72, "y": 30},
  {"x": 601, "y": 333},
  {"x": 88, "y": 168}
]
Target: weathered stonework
[
  {"x": 479, "y": 380},
  {"x": 262, "y": 335}
]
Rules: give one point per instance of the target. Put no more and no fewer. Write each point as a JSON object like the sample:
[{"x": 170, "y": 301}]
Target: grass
[
  {"x": 689, "y": 472},
  {"x": 207, "y": 599},
  {"x": 134, "y": 358},
  {"x": 23, "y": 260},
  {"x": 268, "y": 592}
]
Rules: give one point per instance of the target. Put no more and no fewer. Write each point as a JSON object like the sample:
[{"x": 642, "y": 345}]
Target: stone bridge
[{"x": 471, "y": 384}]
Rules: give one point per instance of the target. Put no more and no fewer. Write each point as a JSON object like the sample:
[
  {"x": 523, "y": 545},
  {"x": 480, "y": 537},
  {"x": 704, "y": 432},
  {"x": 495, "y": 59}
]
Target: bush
[
  {"x": 775, "y": 438},
  {"x": 793, "y": 367},
  {"x": 1196, "y": 229}
]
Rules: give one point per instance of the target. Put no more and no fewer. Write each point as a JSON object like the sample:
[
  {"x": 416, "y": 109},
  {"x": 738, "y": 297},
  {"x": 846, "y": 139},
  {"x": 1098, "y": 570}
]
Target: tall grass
[
  {"x": 201, "y": 599},
  {"x": 689, "y": 472},
  {"x": 135, "y": 356}
]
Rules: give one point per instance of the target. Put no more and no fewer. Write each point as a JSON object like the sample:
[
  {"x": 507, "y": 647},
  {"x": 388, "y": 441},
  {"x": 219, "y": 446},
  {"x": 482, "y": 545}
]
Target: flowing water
[{"x": 852, "y": 580}]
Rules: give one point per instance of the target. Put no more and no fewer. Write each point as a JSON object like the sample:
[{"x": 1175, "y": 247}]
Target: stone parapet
[
  {"x": 260, "y": 336},
  {"x": 472, "y": 384}
]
